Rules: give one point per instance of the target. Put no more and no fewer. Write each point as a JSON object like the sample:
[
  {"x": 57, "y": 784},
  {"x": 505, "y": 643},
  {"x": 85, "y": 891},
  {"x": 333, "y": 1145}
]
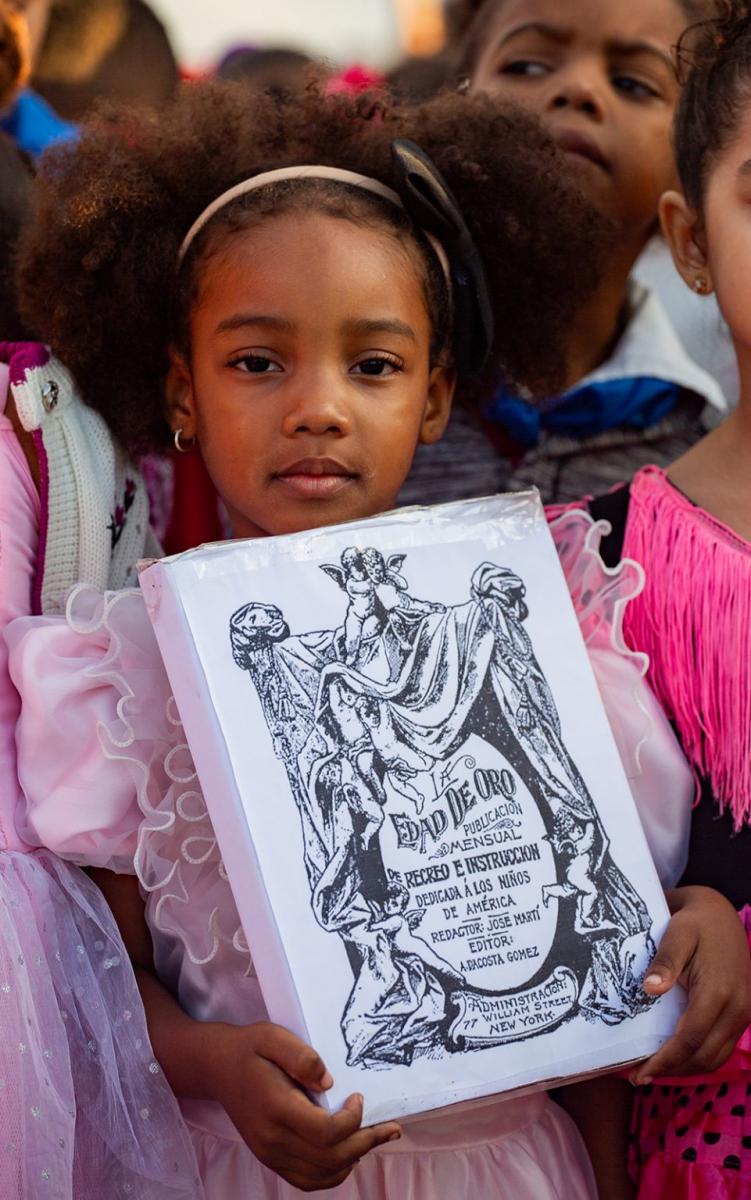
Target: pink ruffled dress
[
  {"x": 692, "y": 1137},
  {"x": 104, "y": 680},
  {"x": 84, "y": 1108}
]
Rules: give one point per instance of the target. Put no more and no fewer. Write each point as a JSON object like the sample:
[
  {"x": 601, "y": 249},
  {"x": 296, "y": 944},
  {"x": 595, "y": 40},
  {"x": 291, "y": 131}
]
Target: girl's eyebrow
[
  {"x": 561, "y": 35},
  {"x": 380, "y": 325},
  {"x": 628, "y": 49},
  {"x": 554, "y": 32},
  {"x": 266, "y": 321}
]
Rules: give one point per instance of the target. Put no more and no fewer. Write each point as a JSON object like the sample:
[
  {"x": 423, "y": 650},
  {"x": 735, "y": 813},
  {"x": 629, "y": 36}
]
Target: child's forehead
[
  {"x": 609, "y": 21},
  {"x": 309, "y": 266}
]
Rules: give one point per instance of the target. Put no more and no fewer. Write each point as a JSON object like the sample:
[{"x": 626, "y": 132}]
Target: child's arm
[
  {"x": 706, "y": 950},
  {"x": 259, "y": 1073},
  {"x": 601, "y": 1109}
]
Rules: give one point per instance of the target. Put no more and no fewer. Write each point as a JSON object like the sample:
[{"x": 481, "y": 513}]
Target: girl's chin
[{"x": 313, "y": 516}]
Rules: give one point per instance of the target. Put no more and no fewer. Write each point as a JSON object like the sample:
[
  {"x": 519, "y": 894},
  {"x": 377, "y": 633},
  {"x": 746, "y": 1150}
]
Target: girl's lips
[
  {"x": 578, "y": 144},
  {"x": 314, "y": 487},
  {"x": 314, "y": 478}
]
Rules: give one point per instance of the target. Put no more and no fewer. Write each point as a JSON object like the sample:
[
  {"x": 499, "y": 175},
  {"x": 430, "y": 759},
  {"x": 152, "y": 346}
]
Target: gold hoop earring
[
  {"x": 699, "y": 285},
  {"x": 183, "y": 449}
]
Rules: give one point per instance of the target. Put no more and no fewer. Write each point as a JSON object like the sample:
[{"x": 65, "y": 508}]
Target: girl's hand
[
  {"x": 258, "y": 1073},
  {"x": 706, "y": 950}
]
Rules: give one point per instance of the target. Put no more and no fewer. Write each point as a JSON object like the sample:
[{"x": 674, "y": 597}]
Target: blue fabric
[
  {"x": 34, "y": 126},
  {"x": 594, "y": 408}
]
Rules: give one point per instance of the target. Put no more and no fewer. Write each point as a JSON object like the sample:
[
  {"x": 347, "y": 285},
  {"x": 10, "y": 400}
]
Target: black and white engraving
[{"x": 450, "y": 840}]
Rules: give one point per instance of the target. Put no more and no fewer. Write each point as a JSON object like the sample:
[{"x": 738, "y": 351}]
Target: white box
[{"x": 433, "y": 848}]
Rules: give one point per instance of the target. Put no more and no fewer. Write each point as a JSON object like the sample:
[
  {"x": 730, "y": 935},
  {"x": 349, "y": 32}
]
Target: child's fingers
[
  {"x": 296, "y": 1059},
  {"x": 674, "y": 953},
  {"x": 340, "y": 1157},
  {"x": 329, "y": 1130},
  {"x": 298, "y": 1170},
  {"x": 696, "y": 1047}
]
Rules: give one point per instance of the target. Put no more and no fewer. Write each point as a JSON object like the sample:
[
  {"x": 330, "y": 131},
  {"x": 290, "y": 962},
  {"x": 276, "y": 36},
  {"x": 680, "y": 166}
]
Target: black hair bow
[{"x": 433, "y": 209}]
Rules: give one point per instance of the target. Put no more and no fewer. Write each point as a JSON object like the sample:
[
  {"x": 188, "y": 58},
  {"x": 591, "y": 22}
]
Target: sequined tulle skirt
[{"x": 85, "y": 1111}]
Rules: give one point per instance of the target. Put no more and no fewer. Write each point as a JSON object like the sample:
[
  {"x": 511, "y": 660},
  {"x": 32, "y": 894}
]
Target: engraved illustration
[{"x": 449, "y": 838}]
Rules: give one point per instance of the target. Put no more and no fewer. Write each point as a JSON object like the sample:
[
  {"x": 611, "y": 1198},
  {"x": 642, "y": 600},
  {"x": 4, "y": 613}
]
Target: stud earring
[
  {"x": 699, "y": 285},
  {"x": 183, "y": 448}
]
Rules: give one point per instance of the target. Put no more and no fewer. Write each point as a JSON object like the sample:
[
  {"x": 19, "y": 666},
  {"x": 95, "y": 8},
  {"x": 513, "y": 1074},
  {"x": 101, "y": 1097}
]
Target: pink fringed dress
[
  {"x": 103, "y": 673},
  {"x": 84, "y": 1109},
  {"x": 692, "y": 1138}
]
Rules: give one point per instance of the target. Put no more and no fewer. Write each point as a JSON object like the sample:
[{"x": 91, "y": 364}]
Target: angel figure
[
  {"x": 376, "y": 592},
  {"x": 578, "y": 841},
  {"x": 400, "y": 926}
]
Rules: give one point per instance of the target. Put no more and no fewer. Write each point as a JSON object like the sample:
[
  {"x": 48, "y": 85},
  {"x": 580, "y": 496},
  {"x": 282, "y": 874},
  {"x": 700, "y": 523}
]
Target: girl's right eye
[
  {"x": 256, "y": 364},
  {"x": 531, "y": 68}
]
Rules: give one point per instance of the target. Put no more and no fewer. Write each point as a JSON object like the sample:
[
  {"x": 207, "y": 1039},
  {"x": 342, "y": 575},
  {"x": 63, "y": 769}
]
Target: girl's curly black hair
[
  {"x": 99, "y": 280},
  {"x": 714, "y": 58}
]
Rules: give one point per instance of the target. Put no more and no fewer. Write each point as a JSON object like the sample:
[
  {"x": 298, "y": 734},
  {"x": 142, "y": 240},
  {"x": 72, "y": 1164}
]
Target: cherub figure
[
  {"x": 400, "y": 926},
  {"x": 363, "y": 620},
  {"x": 375, "y": 590},
  {"x": 576, "y": 839}
]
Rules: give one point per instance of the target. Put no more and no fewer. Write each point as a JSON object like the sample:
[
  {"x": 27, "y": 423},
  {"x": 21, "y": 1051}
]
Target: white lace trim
[
  {"x": 605, "y": 605},
  {"x": 175, "y": 837},
  {"x": 176, "y": 840}
]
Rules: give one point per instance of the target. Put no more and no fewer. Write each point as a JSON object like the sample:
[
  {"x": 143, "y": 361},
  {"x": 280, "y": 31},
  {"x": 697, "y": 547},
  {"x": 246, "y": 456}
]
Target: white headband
[{"x": 303, "y": 172}]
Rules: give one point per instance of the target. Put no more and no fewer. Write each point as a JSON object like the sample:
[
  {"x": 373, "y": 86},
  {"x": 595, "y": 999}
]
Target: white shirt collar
[{"x": 650, "y": 347}]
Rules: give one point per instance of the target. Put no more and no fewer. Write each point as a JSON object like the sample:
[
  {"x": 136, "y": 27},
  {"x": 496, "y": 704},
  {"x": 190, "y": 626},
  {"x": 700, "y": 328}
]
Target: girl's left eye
[
  {"x": 256, "y": 364},
  {"x": 377, "y": 366},
  {"x": 528, "y": 67},
  {"x": 635, "y": 88}
]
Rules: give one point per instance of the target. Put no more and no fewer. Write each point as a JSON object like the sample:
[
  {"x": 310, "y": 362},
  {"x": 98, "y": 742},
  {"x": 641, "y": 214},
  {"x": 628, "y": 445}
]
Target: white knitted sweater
[{"x": 95, "y": 522}]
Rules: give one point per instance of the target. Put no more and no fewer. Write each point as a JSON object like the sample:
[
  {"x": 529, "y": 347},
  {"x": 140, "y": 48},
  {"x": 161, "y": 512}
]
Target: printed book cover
[{"x": 432, "y": 844}]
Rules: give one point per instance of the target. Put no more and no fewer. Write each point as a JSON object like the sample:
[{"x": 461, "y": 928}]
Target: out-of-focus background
[
  {"x": 135, "y": 50},
  {"x": 376, "y": 32}
]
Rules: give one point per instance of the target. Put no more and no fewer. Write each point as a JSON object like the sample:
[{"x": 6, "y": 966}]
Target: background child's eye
[
  {"x": 256, "y": 364},
  {"x": 524, "y": 66},
  {"x": 377, "y": 366},
  {"x": 633, "y": 87}
]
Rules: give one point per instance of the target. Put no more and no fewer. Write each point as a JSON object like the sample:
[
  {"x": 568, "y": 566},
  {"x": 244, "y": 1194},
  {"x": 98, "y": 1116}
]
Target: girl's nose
[
  {"x": 580, "y": 91},
  {"x": 318, "y": 408}
]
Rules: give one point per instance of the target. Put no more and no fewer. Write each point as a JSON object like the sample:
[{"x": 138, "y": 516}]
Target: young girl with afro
[
  {"x": 298, "y": 286},
  {"x": 601, "y": 77}
]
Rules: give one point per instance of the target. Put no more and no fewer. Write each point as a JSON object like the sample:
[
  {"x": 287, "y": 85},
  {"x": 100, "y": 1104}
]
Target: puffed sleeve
[
  {"x": 660, "y": 778},
  {"x": 85, "y": 736}
]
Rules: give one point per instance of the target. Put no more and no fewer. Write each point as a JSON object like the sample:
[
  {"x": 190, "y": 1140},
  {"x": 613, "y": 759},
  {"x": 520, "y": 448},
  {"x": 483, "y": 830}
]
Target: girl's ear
[
  {"x": 441, "y": 388},
  {"x": 684, "y": 233},
  {"x": 178, "y": 396}
]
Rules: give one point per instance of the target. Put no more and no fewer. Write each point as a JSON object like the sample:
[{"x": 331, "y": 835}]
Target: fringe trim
[{"x": 693, "y": 619}]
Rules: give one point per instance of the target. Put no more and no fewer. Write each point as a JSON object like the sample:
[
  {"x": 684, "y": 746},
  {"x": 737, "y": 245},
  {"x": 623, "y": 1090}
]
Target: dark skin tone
[
  {"x": 333, "y": 371},
  {"x": 308, "y": 392},
  {"x": 713, "y": 245},
  {"x": 600, "y": 76}
]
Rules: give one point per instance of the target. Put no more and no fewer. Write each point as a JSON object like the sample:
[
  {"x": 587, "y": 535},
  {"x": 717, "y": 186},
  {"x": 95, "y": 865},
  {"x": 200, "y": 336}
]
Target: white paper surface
[{"x": 418, "y": 799}]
